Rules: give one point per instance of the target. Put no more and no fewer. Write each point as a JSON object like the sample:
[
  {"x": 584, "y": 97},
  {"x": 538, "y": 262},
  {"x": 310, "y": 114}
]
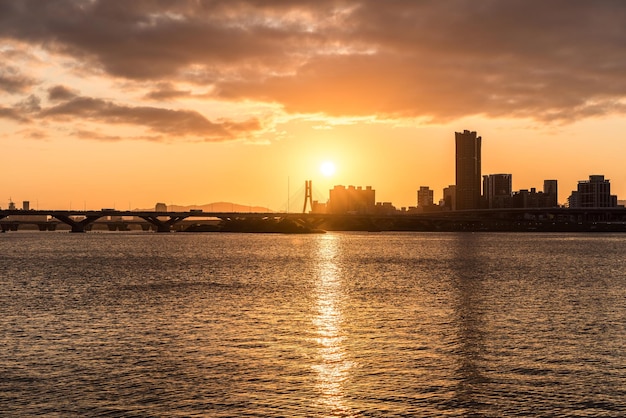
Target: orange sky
[{"x": 125, "y": 104}]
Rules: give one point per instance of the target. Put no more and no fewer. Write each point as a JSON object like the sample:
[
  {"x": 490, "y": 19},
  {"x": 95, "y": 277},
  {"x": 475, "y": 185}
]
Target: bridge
[
  {"x": 83, "y": 220},
  {"x": 530, "y": 219}
]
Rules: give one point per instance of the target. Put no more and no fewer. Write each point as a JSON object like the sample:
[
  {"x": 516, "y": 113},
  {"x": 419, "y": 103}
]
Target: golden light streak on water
[{"x": 333, "y": 370}]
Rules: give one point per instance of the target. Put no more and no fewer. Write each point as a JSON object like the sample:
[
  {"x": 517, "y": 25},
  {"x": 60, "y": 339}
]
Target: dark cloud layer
[{"x": 549, "y": 60}]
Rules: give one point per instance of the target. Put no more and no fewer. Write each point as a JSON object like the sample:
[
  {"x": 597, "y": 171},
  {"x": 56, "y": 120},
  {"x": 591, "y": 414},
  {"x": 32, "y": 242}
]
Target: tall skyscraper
[{"x": 468, "y": 174}]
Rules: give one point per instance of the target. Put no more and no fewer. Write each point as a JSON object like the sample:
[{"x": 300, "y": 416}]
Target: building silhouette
[
  {"x": 319, "y": 207},
  {"x": 593, "y": 193},
  {"x": 425, "y": 197},
  {"x": 352, "y": 199},
  {"x": 385, "y": 208},
  {"x": 532, "y": 198},
  {"x": 525, "y": 198},
  {"x": 497, "y": 190},
  {"x": 468, "y": 170},
  {"x": 449, "y": 197},
  {"x": 551, "y": 193}
]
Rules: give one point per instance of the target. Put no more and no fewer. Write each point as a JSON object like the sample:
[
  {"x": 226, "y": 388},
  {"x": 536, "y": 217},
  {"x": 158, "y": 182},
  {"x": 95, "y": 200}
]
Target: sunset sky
[{"x": 127, "y": 103}]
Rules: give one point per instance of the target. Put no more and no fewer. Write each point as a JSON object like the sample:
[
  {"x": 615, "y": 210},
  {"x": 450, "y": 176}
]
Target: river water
[{"x": 332, "y": 325}]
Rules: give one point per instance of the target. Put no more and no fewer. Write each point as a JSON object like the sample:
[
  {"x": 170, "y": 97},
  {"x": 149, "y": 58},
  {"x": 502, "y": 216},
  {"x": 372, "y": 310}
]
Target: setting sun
[{"x": 328, "y": 168}]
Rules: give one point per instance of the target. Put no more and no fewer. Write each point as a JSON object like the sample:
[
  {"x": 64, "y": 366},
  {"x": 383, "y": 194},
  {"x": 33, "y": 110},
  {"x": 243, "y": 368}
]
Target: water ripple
[{"x": 335, "y": 325}]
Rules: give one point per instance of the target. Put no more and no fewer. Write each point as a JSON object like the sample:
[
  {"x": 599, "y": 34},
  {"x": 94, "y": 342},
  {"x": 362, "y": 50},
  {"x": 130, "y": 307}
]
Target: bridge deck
[{"x": 486, "y": 219}]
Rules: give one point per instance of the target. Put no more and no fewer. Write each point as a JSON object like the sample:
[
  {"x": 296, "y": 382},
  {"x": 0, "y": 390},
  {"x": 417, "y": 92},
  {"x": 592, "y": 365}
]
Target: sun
[{"x": 327, "y": 168}]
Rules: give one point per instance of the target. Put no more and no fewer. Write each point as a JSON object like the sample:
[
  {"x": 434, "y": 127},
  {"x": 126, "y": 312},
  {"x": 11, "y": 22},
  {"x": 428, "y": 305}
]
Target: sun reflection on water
[{"x": 333, "y": 369}]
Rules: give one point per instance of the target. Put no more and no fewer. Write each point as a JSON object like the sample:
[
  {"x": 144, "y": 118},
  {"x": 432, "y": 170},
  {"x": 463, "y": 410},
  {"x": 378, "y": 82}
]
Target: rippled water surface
[{"x": 340, "y": 324}]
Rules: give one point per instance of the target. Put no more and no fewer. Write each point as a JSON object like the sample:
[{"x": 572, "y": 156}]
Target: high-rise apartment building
[{"x": 468, "y": 174}]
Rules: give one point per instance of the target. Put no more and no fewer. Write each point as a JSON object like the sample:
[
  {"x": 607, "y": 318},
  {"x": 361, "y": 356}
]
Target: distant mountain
[{"x": 216, "y": 207}]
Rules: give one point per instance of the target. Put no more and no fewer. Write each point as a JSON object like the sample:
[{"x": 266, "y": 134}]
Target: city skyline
[
  {"x": 496, "y": 191},
  {"x": 188, "y": 103}
]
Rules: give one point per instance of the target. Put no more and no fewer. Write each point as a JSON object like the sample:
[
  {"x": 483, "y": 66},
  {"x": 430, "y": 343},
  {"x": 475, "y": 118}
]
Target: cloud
[
  {"x": 166, "y": 91},
  {"x": 23, "y": 110},
  {"x": 35, "y": 134},
  {"x": 60, "y": 92},
  {"x": 163, "y": 121},
  {"x": 69, "y": 107},
  {"x": 31, "y": 104},
  {"x": 97, "y": 136},
  {"x": 14, "y": 81},
  {"x": 12, "y": 114},
  {"x": 552, "y": 61}
]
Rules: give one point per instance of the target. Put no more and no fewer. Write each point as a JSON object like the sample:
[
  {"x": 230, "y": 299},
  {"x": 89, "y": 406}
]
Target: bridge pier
[
  {"x": 78, "y": 226},
  {"x": 117, "y": 226},
  {"x": 307, "y": 221},
  {"x": 47, "y": 226},
  {"x": 10, "y": 226},
  {"x": 161, "y": 225}
]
